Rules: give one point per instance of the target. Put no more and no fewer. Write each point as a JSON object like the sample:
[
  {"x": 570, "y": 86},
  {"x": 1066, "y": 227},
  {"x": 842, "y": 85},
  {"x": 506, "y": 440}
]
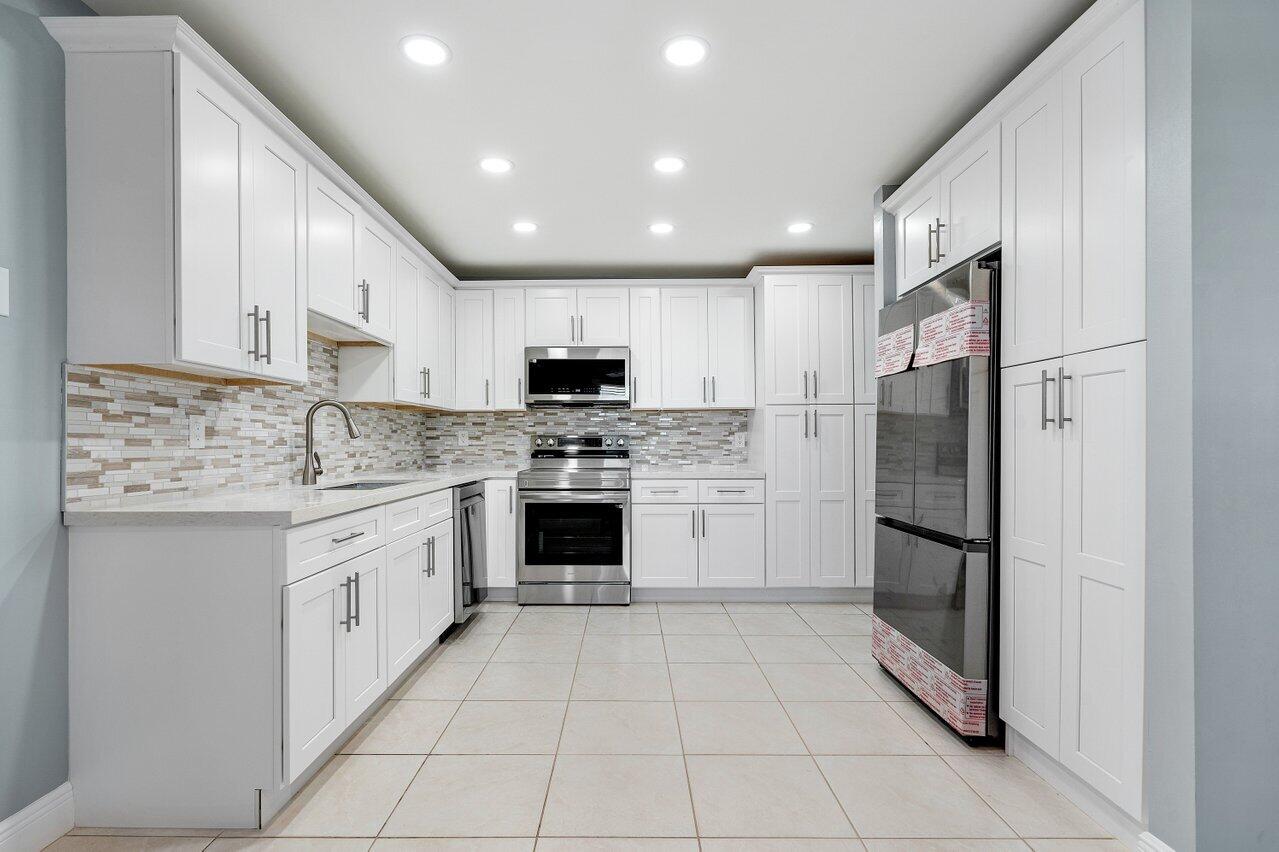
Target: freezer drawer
[{"x": 952, "y": 448}]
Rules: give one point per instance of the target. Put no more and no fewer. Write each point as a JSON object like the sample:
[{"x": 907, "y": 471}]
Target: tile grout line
[
  {"x": 550, "y": 778},
  {"x": 679, "y": 731}
]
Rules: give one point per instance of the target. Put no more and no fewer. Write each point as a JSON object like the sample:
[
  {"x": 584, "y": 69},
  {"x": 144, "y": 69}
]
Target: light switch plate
[
  {"x": 195, "y": 430},
  {"x": 4, "y": 292}
]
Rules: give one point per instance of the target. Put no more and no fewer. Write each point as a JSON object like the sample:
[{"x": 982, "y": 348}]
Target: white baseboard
[
  {"x": 39, "y": 823},
  {"x": 1104, "y": 812},
  {"x": 1147, "y": 842}
]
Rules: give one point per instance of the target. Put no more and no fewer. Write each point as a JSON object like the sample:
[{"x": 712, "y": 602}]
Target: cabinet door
[
  {"x": 1103, "y": 568},
  {"x": 446, "y": 357},
  {"x": 731, "y": 346},
  {"x": 375, "y": 263},
  {"x": 731, "y": 545},
  {"x": 788, "y": 532},
  {"x": 439, "y": 581},
  {"x": 603, "y": 316},
  {"x": 786, "y": 348},
  {"x": 1103, "y": 113},
  {"x": 277, "y": 255},
  {"x": 646, "y": 347},
  {"x": 332, "y": 220},
  {"x": 428, "y": 336},
  {"x": 550, "y": 316},
  {"x": 1030, "y": 553},
  {"x": 499, "y": 531},
  {"x": 685, "y": 372},
  {"x": 834, "y": 496},
  {"x": 212, "y": 294},
  {"x": 970, "y": 201},
  {"x": 364, "y": 639},
  {"x": 474, "y": 390},
  {"x": 664, "y": 546},
  {"x": 865, "y": 334},
  {"x": 410, "y": 370},
  {"x": 406, "y": 562},
  {"x": 864, "y": 489},
  {"x": 1030, "y": 286},
  {"x": 508, "y": 350},
  {"x": 314, "y": 703},
  {"x": 830, "y": 338},
  {"x": 916, "y": 244}
]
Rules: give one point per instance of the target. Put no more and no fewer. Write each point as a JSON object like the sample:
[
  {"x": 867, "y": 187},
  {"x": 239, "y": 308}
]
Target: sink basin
[{"x": 360, "y": 486}]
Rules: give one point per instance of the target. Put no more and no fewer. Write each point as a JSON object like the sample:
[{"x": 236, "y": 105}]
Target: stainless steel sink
[{"x": 360, "y": 486}]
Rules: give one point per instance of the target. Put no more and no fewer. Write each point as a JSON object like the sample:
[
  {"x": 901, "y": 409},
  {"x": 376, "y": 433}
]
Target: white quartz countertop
[
  {"x": 284, "y": 507},
  {"x": 695, "y": 471}
]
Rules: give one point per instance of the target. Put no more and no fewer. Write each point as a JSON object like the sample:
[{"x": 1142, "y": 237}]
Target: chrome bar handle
[
  {"x": 940, "y": 253},
  {"x": 256, "y": 351},
  {"x": 703, "y": 389},
  {"x": 347, "y": 621},
  {"x": 805, "y": 422},
  {"x": 814, "y": 422},
  {"x": 364, "y": 299},
  {"x": 346, "y": 538},
  {"x": 694, "y": 514},
  {"x": 430, "y": 547},
  {"x": 581, "y": 327},
  {"x": 814, "y": 384},
  {"x": 510, "y": 499},
  {"x": 1044, "y": 419},
  {"x": 730, "y": 490},
  {"x": 357, "y": 598},
  {"x": 703, "y": 523},
  {"x": 422, "y": 372},
  {"x": 519, "y": 391},
  {"x": 712, "y": 388},
  {"x": 267, "y": 320},
  {"x": 428, "y": 382},
  {"x": 805, "y": 384},
  {"x": 931, "y": 259},
  {"x": 1062, "y": 378},
  {"x": 572, "y": 329},
  {"x": 634, "y": 389},
  {"x": 486, "y": 391}
]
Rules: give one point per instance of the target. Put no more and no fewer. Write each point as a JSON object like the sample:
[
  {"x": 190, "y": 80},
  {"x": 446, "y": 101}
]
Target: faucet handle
[{"x": 316, "y": 466}]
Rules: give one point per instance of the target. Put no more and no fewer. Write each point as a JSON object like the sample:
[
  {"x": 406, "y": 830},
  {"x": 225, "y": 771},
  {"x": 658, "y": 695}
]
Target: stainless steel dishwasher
[{"x": 470, "y": 575}]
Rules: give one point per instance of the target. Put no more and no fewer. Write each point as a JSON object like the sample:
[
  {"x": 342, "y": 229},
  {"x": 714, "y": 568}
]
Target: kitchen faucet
[{"x": 311, "y": 469}]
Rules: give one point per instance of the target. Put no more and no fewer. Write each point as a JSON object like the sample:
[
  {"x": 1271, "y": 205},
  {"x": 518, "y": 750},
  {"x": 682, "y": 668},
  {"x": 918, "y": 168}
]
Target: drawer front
[
  {"x": 439, "y": 506},
  {"x": 405, "y": 517},
  {"x": 664, "y": 491},
  {"x": 731, "y": 491},
  {"x": 314, "y": 547}
]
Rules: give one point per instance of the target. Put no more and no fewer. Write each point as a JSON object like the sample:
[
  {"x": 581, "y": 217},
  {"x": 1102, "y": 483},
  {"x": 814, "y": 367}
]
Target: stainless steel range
[{"x": 574, "y": 521}]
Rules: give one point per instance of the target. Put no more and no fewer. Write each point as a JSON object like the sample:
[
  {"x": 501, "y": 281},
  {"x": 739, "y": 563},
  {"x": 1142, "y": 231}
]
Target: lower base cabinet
[
  {"x": 730, "y": 550},
  {"x": 664, "y": 546},
  {"x": 419, "y": 594},
  {"x": 500, "y": 532},
  {"x": 709, "y": 544}
]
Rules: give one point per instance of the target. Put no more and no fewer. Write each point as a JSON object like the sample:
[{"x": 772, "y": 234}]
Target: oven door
[
  {"x": 574, "y": 537},
  {"x": 581, "y": 375}
]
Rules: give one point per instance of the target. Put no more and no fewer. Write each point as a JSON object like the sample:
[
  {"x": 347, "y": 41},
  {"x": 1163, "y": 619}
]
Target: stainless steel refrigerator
[{"x": 936, "y": 470}]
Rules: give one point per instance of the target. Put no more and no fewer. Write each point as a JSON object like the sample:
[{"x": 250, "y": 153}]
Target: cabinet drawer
[
  {"x": 664, "y": 491},
  {"x": 439, "y": 506},
  {"x": 317, "y": 546},
  {"x": 405, "y": 517},
  {"x": 731, "y": 491}
]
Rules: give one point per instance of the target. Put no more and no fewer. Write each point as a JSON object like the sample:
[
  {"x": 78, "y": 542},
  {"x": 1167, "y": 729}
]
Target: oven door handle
[{"x": 622, "y": 498}]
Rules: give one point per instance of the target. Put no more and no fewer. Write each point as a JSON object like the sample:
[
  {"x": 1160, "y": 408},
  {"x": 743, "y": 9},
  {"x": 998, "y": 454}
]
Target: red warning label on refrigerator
[
  {"x": 958, "y": 332},
  {"x": 893, "y": 351}
]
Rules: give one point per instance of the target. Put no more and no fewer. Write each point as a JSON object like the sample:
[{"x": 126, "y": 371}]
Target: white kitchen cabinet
[
  {"x": 808, "y": 339},
  {"x": 1030, "y": 584},
  {"x": 969, "y": 194},
  {"x": 406, "y": 618},
  {"x": 865, "y": 335},
  {"x": 508, "y": 350},
  {"x": 375, "y": 269},
  {"x": 333, "y": 225},
  {"x": 731, "y": 545},
  {"x": 731, "y": 346},
  {"x": 1104, "y": 191},
  {"x": 430, "y": 340},
  {"x": 581, "y": 316},
  {"x": 500, "y": 532},
  {"x": 410, "y": 365},
  {"x": 1030, "y": 287},
  {"x": 646, "y": 347},
  {"x": 446, "y": 355},
  {"x": 474, "y": 388},
  {"x": 685, "y": 367},
  {"x": 1103, "y": 568},
  {"x": 314, "y": 668},
  {"x": 664, "y": 545},
  {"x": 437, "y": 580},
  {"x": 917, "y": 219},
  {"x": 364, "y": 642},
  {"x": 812, "y": 495},
  {"x": 864, "y": 490}
]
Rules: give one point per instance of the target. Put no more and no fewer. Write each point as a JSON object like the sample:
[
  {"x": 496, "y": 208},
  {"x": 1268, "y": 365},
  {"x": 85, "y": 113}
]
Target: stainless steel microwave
[{"x": 577, "y": 375}]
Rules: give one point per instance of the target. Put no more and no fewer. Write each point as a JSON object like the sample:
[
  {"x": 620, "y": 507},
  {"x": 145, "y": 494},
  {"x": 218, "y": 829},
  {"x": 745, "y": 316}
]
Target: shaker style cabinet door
[
  {"x": 646, "y": 347},
  {"x": 428, "y": 338},
  {"x": 1104, "y": 116},
  {"x": 1030, "y": 324},
  {"x": 664, "y": 545},
  {"x": 969, "y": 202},
  {"x": 314, "y": 668},
  {"x": 438, "y": 609},
  {"x": 332, "y": 226},
  {"x": 375, "y": 265},
  {"x": 214, "y": 166},
  {"x": 786, "y": 345},
  {"x": 508, "y": 350},
  {"x": 410, "y": 368},
  {"x": 406, "y": 562},
  {"x": 1030, "y": 575},
  {"x": 446, "y": 355},
  {"x": 551, "y": 316},
  {"x": 685, "y": 368},
  {"x": 830, "y": 339},
  {"x": 917, "y": 259},
  {"x": 866, "y": 324},
  {"x": 474, "y": 391},
  {"x": 603, "y": 316},
  {"x": 499, "y": 531},
  {"x": 834, "y": 496},
  {"x": 1103, "y": 567},
  {"x": 864, "y": 494},
  {"x": 731, "y": 346},
  {"x": 365, "y": 642},
  {"x": 731, "y": 545},
  {"x": 788, "y": 529}
]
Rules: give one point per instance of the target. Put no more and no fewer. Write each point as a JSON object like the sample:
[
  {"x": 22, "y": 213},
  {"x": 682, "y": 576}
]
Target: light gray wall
[
  {"x": 33, "y": 543},
  {"x": 1170, "y": 712},
  {"x": 1235, "y": 180}
]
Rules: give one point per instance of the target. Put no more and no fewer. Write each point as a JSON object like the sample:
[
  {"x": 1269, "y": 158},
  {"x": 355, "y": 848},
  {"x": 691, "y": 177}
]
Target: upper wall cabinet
[
  {"x": 185, "y": 222},
  {"x": 865, "y": 332},
  {"x": 581, "y": 316},
  {"x": 808, "y": 339},
  {"x": 708, "y": 347},
  {"x": 508, "y": 350},
  {"x": 646, "y": 347},
  {"x": 474, "y": 369}
]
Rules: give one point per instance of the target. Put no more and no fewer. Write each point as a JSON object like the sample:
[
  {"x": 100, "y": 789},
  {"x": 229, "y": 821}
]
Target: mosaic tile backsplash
[{"x": 127, "y": 434}]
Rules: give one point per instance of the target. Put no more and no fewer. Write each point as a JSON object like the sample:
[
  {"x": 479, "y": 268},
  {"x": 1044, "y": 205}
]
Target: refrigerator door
[{"x": 895, "y": 426}]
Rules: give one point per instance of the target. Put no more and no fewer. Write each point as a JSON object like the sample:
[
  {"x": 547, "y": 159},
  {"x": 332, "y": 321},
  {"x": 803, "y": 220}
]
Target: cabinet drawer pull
[
  {"x": 346, "y": 538},
  {"x": 663, "y": 491},
  {"x": 730, "y": 490}
]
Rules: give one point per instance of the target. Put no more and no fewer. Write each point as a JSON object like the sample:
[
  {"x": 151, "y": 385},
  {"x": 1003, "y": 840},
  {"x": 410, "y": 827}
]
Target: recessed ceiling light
[
  {"x": 524, "y": 227},
  {"x": 669, "y": 165},
  {"x": 425, "y": 50},
  {"x": 661, "y": 227},
  {"x": 799, "y": 227},
  {"x": 496, "y": 165},
  {"x": 683, "y": 51}
]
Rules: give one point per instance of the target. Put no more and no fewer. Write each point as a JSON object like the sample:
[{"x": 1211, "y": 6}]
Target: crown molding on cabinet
[
  {"x": 169, "y": 33},
  {"x": 1098, "y": 16},
  {"x": 751, "y": 279}
]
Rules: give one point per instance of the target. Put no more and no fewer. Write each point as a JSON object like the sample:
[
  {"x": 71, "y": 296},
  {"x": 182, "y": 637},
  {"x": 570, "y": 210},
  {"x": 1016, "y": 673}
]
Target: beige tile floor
[{"x": 659, "y": 727}]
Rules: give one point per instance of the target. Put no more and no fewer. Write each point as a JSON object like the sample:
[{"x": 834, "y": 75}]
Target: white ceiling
[{"x": 803, "y": 108}]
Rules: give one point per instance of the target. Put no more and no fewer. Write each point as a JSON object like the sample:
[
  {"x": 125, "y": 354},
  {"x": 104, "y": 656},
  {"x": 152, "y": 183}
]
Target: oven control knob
[
  {"x": 550, "y": 442},
  {"x": 621, "y": 442},
  {"x": 537, "y": 442},
  {"x": 608, "y": 442}
]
